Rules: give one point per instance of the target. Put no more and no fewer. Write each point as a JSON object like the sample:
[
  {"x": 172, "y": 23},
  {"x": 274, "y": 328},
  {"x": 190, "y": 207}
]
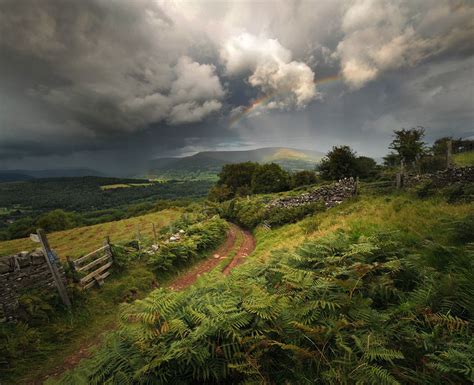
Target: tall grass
[{"x": 376, "y": 291}]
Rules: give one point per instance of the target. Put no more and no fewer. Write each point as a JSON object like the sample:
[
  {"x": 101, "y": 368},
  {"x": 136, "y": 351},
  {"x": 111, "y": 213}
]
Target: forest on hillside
[{"x": 82, "y": 201}]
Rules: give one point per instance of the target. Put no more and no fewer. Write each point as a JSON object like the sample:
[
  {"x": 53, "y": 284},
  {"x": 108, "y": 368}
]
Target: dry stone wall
[
  {"x": 330, "y": 195},
  {"x": 19, "y": 274},
  {"x": 443, "y": 178}
]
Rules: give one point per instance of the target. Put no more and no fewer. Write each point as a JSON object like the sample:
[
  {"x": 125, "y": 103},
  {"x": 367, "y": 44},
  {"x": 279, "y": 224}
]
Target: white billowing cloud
[
  {"x": 190, "y": 112},
  {"x": 195, "y": 81},
  {"x": 271, "y": 69},
  {"x": 381, "y": 35},
  {"x": 194, "y": 94}
]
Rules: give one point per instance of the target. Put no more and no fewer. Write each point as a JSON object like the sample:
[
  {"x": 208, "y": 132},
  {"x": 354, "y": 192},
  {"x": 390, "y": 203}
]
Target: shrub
[
  {"x": 303, "y": 178},
  {"x": 57, "y": 220},
  {"x": 279, "y": 215},
  {"x": 198, "y": 239}
]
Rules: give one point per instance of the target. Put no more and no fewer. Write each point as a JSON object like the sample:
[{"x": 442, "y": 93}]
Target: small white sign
[{"x": 34, "y": 237}]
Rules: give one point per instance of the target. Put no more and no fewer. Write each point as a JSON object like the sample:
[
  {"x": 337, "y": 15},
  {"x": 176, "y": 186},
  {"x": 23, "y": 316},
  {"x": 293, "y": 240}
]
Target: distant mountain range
[
  {"x": 207, "y": 164},
  {"x": 21, "y": 175}
]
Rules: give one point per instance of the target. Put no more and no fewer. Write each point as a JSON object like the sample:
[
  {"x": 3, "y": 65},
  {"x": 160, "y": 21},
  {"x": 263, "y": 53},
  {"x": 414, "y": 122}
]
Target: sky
[{"x": 110, "y": 84}]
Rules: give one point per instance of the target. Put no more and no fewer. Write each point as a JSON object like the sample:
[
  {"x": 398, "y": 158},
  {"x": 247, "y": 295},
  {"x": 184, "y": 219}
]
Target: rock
[
  {"x": 5, "y": 266},
  {"x": 216, "y": 256},
  {"x": 329, "y": 195}
]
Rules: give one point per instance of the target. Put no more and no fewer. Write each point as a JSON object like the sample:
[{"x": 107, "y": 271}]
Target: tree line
[{"x": 407, "y": 148}]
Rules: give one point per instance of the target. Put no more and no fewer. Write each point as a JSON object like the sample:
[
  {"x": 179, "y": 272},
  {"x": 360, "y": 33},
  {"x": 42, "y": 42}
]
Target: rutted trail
[
  {"x": 179, "y": 283},
  {"x": 247, "y": 246}
]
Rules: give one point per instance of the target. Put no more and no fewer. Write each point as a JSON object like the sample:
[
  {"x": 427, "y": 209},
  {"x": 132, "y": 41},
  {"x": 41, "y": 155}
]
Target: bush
[
  {"x": 303, "y": 178},
  {"x": 57, "y": 220},
  {"x": 279, "y": 215},
  {"x": 198, "y": 239}
]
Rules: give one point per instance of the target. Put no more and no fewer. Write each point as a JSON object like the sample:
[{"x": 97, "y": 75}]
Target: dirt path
[
  {"x": 247, "y": 246},
  {"x": 181, "y": 282}
]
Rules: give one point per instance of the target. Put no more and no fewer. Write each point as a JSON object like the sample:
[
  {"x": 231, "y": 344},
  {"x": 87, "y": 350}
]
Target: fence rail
[{"x": 101, "y": 260}]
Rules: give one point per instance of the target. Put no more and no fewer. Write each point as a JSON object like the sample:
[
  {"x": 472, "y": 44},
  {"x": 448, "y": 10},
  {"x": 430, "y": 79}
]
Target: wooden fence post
[
  {"x": 51, "y": 260},
  {"x": 108, "y": 251},
  {"x": 139, "y": 236},
  {"x": 449, "y": 153},
  {"x": 154, "y": 233}
]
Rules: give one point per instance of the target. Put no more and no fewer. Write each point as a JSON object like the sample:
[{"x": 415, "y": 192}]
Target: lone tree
[
  {"x": 339, "y": 163},
  {"x": 408, "y": 144}
]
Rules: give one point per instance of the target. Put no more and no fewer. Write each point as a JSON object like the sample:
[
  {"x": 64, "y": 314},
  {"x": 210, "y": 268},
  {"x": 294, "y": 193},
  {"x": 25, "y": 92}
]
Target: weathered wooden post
[
  {"x": 139, "y": 237},
  {"x": 154, "y": 233},
  {"x": 52, "y": 264},
  {"x": 449, "y": 153},
  {"x": 109, "y": 247}
]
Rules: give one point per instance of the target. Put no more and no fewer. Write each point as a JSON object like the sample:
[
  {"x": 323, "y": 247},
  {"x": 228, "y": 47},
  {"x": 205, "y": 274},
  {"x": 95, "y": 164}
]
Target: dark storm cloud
[{"x": 102, "y": 83}]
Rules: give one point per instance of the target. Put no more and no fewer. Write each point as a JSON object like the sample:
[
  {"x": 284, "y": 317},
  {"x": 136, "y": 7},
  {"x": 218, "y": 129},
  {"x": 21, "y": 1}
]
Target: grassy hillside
[
  {"x": 48, "y": 338},
  {"x": 206, "y": 164},
  {"x": 79, "y": 241},
  {"x": 464, "y": 159},
  {"x": 377, "y": 291},
  {"x": 90, "y": 200}
]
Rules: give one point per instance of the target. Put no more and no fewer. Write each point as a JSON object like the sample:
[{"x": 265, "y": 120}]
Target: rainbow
[{"x": 264, "y": 99}]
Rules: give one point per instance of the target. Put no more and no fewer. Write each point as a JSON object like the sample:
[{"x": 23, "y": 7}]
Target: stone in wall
[
  {"x": 442, "y": 178},
  {"x": 331, "y": 195},
  {"x": 18, "y": 274}
]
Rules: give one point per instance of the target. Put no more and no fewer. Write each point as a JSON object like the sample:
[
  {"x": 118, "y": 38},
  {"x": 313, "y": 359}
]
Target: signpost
[{"x": 51, "y": 259}]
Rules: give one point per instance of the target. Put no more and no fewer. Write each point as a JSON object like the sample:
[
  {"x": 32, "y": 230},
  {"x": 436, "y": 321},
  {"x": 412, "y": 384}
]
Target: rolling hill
[
  {"x": 207, "y": 164},
  {"x": 19, "y": 175}
]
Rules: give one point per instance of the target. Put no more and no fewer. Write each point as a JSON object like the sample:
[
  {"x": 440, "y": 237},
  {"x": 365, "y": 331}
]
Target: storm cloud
[{"x": 100, "y": 82}]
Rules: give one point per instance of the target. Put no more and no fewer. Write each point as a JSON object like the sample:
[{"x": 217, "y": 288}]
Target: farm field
[{"x": 79, "y": 241}]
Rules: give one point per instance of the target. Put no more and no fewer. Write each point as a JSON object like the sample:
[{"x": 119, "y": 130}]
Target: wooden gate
[{"x": 96, "y": 265}]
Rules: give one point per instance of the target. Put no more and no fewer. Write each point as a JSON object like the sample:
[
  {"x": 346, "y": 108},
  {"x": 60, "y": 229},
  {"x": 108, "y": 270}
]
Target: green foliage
[
  {"x": 366, "y": 167},
  {"x": 303, "y": 178},
  {"x": 220, "y": 193},
  {"x": 408, "y": 144},
  {"x": 269, "y": 178},
  {"x": 57, "y": 220},
  {"x": 242, "y": 179},
  {"x": 278, "y": 216},
  {"x": 237, "y": 175},
  {"x": 346, "y": 309},
  {"x": 340, "y": 162},
  {"x": 459, "y": 192},
  {"x": 197, "y": 239},
  {"x": 462, "y": 229},
  {"x": 81, "y": 201}
]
